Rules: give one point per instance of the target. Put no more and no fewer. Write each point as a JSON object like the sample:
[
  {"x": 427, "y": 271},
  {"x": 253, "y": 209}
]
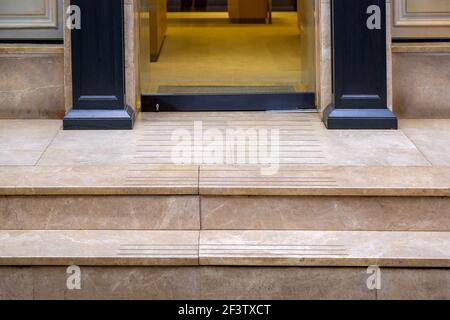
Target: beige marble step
[
  {"x": 99, "y": 248},
  {"x": 37, "y": 158},
  {"x": 193, "y": 212},
  {"x": 310, "y": 180},
  {"x": 99, "y": 180},
  {"x": 289, "y": 180},
  {"x": 325, "y": 248},
  {"x": 225, "y": 248},
  {"x": 333, "y": 213},
  {"x": 219, "y": 283}
]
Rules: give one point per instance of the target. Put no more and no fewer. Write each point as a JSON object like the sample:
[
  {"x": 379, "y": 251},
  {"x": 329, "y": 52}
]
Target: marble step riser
[
  {"x": 224, "y": 213},
  {"x": 208, "y": 283}
]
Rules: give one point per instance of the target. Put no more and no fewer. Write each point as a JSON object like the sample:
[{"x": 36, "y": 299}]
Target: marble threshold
[
  {"x": 225, "y": 248},
  {"x": 405, "y": 181},
  {"x": 37, "y": 158}
]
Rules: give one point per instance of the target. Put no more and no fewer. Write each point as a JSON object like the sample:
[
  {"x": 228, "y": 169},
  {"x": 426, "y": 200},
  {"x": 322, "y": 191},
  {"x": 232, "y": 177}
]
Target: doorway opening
[{"x": 226, "y": 55}]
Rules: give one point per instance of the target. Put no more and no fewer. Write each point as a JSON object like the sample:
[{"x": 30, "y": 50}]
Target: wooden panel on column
[
  {"x": 359, "y": 67},
  {"x": 244, "y": 11},
  {"x": 98, "y": 68},
  {"x": 158, "y": 27}
]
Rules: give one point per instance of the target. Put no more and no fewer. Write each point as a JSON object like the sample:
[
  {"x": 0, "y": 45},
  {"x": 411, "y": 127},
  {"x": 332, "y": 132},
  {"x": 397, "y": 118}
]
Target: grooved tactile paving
[
  {"x": 287, "y": 140},
  {"x": 299, "y": 137}
]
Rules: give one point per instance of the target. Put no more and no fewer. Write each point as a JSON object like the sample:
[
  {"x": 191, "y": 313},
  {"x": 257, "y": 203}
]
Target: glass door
[{"x": 214, "y": 55}]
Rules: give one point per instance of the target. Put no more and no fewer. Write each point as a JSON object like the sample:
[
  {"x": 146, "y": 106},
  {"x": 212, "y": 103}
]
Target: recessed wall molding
[
  {"x": 28, "y": 14},
  {"x": 421, "y": 18},
  {"x": 31, "y": 19}
]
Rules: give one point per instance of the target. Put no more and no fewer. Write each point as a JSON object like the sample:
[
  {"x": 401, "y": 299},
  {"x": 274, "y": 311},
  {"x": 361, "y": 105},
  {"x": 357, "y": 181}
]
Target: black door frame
[
  {"x": 98, "y": 68},
  {"x": 359, "y": 67},
  {"x": 359, "y": 58}
]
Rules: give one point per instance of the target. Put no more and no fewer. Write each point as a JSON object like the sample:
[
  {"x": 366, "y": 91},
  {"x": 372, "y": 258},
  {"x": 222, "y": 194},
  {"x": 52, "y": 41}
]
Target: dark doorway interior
[{"x": 222, "y": 5}]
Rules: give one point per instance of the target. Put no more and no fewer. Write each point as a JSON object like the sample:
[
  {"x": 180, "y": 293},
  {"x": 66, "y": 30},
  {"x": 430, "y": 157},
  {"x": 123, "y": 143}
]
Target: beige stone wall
[
  {"x": 132, "y": 77},
  {"x": 420, "y": 71},
  {"x": 67, "y": 65},
  {"x": 389, "y": 53},
  {"x": 270, "y": 283},
  {"x": 421, "y": 80},
  {"x": 324, "y": 94},
  {"x": 31, "y": 81}
]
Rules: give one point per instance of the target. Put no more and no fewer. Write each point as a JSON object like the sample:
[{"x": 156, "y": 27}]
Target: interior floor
[{"x": 205, "y": 53}]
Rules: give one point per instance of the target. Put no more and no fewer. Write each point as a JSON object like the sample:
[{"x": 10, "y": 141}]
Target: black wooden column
[
  {"x": 98, "y": 68},
  {"x": 359, "y": 67}
]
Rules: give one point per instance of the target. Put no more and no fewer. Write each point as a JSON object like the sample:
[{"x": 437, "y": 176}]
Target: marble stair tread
[
  {"x": 225, "y": 248},
  {"x": 421, "y": 47},
  {"x": 99, "y": 180},
  {"x": 99, "y": 248},
  {"x": 326, "y": 181},
  {"x": 31, "y": 48},
  {"x": 245, "y": 180},
  {"x": 325, "y": 248}
]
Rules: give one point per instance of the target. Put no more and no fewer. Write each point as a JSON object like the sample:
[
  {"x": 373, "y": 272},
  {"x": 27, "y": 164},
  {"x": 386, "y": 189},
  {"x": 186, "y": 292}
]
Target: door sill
[{"x": 228, "y": 102}]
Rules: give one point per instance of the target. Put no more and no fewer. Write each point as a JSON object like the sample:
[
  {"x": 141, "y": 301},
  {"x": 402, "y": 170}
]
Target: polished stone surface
[
  {"x": 424, "y": 47},
  {"x": 99, "y": 180},
  {"x": 156, "y": 283},
  {"x": 30, "y": 48},
  {"x": 131, "y": 35},
  {"x": 39, "y": 159},
  {"x": 68, "y": 96},
  {"x": 175, "y": 283},
  {"x": 224, "y": 248},
  {"x": 325, "y": 248},
  {"x": 31, "y": 82},
  {"x": 431, "y": 137},
  {"x": 23, "y": 142},
  {"x": 421, "y": 83},
  {"x": 414, "y": 284},
  {"x": 87, "y": 148},
  {"x": 149, "y": 283},
  {"x": 324, "y": 83},
  {"x": 265, "y": 283},
  {"x": 97, "y": 248},
  {"x": 325, "y": 213},
  {"x": 327, "y": 181},
  {"x": 100, "y": 213},
  {"x": 16, "y": 283},
  {"x": 371, "y": 148},
  {"x": 269, "y": 283}
]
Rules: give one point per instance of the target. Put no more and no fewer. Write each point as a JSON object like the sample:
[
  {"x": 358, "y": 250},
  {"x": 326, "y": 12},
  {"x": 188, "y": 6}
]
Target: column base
[
  {"x": 360, "y": 119},
  {"x": 100, "y": 119}
]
